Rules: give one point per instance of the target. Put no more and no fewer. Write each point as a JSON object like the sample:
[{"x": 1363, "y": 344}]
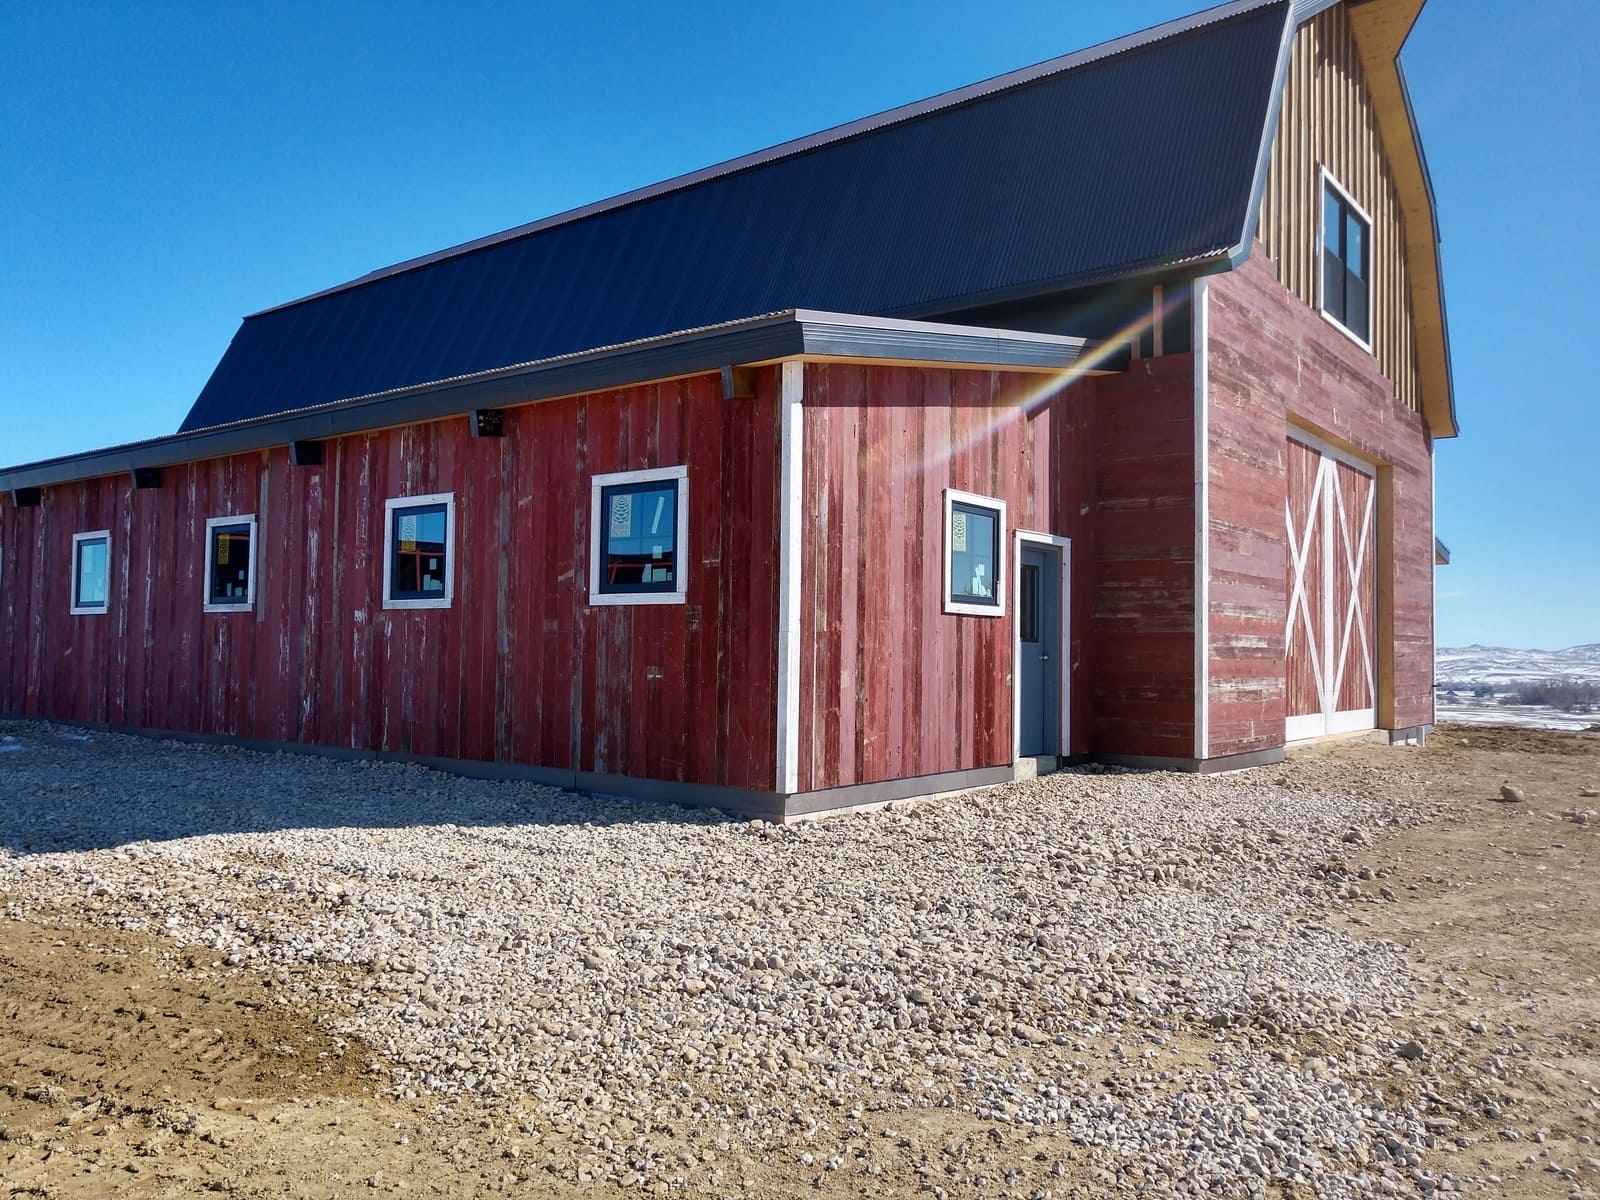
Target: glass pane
[
  {"x": 92, "y": 573},
  {"x": 1332, "y": 220},
  {"x": 1355, "y": 245},
  {"x": 230, "y": 564},
  {"x": 419, "y": 567},
  {"x": 1355, "y": 305},
  {"x": 1332, "y": 285},
  {"x": 974, "y": 551},
  {"x": 1028, "y": 604},
  {"x": 641, "y": 537}
]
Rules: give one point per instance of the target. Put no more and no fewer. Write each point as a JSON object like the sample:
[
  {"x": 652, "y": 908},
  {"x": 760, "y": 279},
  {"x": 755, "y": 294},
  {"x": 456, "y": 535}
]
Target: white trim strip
[
  {"x": 1064, "y": 651},
  {"x": 791, "y": 480},
  {"x": 963, "y": 607},
  {"x": 89, "y": 610},
  {"x": 448, "y": 499},
  {"x": 1202, "y": 520},
  {"x": 248, "y": 604},
  {"x": 680, "y": 593}
]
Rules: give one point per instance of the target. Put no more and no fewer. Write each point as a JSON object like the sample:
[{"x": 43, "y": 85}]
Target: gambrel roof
[
  {"x": 1141, "y": 156},
  {"x": 1136, "y": 155}
]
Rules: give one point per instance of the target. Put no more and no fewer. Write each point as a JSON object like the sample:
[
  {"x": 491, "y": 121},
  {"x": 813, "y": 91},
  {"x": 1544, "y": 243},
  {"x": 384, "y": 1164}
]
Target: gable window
[
  {"x": 419, "y": 551},
  {"x": 1346, "y": 262},
  {"x": 91, "y": 572},
  {"x": 638, "y": 537},
  {"x": 974, "y": 554},
  {"x": 230, "y": 564}
]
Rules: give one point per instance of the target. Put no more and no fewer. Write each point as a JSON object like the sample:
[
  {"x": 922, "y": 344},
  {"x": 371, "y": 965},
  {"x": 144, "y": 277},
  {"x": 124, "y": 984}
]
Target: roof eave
[{"x": 797, "y": 333}]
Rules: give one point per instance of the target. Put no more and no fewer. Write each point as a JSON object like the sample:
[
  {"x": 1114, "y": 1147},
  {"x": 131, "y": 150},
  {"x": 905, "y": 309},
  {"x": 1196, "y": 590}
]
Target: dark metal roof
[
  {"x": 769, "y": 338},
  {"x": 1136, "y": 155}
]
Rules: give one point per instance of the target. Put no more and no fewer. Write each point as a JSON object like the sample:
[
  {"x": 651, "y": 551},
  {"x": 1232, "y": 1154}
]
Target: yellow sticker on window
[{"x": 222, "y": 550}]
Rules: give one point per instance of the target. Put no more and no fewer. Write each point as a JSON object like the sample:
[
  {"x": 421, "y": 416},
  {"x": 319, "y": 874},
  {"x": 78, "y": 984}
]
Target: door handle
[{"x": 1044, "y": 658}]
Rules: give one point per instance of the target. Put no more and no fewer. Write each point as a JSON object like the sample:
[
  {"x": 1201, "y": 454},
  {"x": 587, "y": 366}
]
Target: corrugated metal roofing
[{"x": 1141, "y": 158}]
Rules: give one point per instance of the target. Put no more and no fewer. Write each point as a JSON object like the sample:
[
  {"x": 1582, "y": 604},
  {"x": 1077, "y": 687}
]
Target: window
[
  {"x": 91, "y": 571},
  {"x": 974, "y": 554},
  {"x": 1028, "y": 604},
  {"x": 419, "y": 551},
  {"x": 230, "y": 564},
  {"x": 1346, "y": 262},
  {"x": 638, "y": 537}
]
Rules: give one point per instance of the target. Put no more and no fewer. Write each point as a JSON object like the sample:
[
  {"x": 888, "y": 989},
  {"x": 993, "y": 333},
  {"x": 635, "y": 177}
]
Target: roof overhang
[
  {"x": 795, "y": 334},
  {"x": 1381, "y": 28}
]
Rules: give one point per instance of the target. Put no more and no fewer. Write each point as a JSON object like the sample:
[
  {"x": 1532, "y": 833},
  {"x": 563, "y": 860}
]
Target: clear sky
[{"x": 165, "y": 169}]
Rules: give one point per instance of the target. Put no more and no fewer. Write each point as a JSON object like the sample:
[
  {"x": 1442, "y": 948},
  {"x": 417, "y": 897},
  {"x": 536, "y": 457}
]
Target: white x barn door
[{"x": 1331, "y": 580}]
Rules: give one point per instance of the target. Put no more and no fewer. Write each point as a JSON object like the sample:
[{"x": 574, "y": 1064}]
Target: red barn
[{"x": 1087, "y": 411}]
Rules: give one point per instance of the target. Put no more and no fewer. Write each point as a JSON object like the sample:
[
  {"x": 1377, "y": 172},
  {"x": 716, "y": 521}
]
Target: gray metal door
[{"x": 1039, "y": 642}]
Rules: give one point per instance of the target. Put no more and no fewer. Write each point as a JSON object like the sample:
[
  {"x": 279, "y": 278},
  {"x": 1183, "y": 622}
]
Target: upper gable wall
[{"x": 1328, "y": 120}]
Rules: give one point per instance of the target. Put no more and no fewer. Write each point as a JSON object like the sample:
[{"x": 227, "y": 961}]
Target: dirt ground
[{"x": 129, "y": 1068}]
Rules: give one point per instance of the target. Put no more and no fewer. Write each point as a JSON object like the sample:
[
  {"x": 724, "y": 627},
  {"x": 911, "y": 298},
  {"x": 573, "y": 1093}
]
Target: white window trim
[
  {"x": 961, "y": 607},
  {"x": 1327, "y": 179},
  {"x": 448, "y": 499},
  {"x": 248, "y": 604},
  {"x": 597, "y": 484},
  {"x": 1063, "y": 676},
  {"x": 89, "y": 610}
]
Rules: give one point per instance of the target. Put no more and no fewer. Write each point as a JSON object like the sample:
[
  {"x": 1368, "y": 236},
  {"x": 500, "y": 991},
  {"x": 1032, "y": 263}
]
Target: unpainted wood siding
[
  {"x": 1328, "y": 121},
  {"x": 520, "y": 669}
]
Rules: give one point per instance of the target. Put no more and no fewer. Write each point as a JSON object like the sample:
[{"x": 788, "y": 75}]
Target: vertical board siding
[
  {"x": 520, "y": 669},
  {"x": 1276, "y": 364},
  {"x": 891, "y": 686},
  {"x": 1328, "y": 120}
]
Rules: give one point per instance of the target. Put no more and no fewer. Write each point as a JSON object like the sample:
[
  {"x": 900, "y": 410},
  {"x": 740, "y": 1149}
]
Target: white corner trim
[
  {"x": 680, "y": 595},
  {"x": 1064, "y": 675},
  {"x": 791, "y": 477},
  {"x": 1327, "y": 179},
  {"x": 248, "y": 604},
  {"x": 1201, "y": 316},
  {"x": 961, "y": 607},
  {"x": 448, "y": 499},
  {"x": 89, "y": 610}
]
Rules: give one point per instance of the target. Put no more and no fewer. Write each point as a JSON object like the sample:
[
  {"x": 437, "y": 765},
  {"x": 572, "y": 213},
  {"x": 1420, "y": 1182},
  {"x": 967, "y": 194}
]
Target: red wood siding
[
  {"x": 520, "y": 669},
  {"x": 891, "y": 685},
  {"x": 1273, "y": 359},
  {"x": 1144, "y": 600}
]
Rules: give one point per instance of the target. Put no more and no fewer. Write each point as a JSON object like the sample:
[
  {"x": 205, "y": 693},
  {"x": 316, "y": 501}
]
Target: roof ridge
[{"x": 796, "y": 147}]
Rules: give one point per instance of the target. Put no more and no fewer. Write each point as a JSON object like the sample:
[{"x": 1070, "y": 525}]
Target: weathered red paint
[
  {"x": 1273, "y": 362},
  {"x": 891, "y": 685},
  {"x": 521, "y": 669}
]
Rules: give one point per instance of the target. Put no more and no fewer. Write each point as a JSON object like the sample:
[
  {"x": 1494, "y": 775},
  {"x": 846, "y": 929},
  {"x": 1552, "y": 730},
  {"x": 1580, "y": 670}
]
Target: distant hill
[{"x": 1505, "y": 665}]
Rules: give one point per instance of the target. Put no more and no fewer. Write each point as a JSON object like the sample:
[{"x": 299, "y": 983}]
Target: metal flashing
[{"x": 798, "y": 333}]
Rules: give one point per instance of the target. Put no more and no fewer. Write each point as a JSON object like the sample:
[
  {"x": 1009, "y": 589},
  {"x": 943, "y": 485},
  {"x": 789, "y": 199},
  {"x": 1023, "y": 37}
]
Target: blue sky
[{"x": 166, "y": 169}]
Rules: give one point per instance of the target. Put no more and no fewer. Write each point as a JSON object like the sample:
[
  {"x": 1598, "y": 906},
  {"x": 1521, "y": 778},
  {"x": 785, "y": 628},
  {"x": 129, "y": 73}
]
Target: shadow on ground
[{"x": 65, "y": 788}]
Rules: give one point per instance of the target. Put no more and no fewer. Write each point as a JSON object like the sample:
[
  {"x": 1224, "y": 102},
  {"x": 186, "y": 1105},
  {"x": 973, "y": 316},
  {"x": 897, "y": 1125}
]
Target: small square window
[
  {"x": 419, "y": 543},
  {"x": 91, "y": 572},
  {"x": 230, "y": 564},
  {"x": 974, "y": 559},
  {"x": 637, "y": 541}
]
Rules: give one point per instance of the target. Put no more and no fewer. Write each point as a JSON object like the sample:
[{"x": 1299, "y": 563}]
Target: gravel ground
[{"x": 1153, "y": 965}]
